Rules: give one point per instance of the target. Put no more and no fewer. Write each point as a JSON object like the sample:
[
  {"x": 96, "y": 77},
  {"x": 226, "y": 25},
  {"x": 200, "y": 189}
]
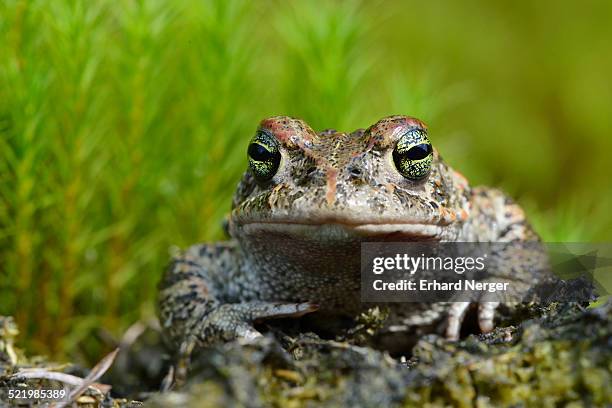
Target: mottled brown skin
[{"x": 295, "y": 239}]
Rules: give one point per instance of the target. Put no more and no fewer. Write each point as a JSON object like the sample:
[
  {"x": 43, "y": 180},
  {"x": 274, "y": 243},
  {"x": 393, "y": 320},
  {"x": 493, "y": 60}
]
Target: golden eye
[
  {"x": 413, "y": 155},
  {"x": 264, "y": 156}
]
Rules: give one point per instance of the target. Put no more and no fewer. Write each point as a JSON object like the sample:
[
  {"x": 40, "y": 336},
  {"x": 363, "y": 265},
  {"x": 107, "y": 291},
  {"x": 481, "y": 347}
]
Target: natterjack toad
[{"x": 298, "y": 217}]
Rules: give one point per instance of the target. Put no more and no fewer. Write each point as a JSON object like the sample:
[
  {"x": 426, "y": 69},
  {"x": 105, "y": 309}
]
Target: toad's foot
[
  {"x": 235, "y": 320},
  {"x": 456, "y": 314}
]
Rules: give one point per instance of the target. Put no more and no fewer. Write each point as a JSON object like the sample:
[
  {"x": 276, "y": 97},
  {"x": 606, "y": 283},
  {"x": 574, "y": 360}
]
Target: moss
[{"x": 558, "y": 356}]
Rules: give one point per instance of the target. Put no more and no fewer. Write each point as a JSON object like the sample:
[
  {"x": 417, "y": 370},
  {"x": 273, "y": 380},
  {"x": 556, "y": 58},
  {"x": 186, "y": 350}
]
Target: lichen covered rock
[{"x": 559, "y": 356}]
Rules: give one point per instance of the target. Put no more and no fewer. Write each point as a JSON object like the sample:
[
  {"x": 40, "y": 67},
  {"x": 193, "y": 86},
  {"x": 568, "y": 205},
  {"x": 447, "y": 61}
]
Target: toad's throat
[{"x": 326, "y": 255}]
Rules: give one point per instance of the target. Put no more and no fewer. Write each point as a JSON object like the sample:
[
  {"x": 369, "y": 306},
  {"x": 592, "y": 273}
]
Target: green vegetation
[{"x": 123, "y": 126}]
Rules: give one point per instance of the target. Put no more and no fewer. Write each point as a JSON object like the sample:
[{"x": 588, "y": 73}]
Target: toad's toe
[
  {"x": 455, "y": 317},
  {"x": 486, "y": 314}
]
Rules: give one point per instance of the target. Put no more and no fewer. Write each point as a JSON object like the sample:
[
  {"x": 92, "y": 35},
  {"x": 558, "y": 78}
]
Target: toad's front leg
[
  {"x": 518, "y": 257},
  {"x": 194, "y": 303}
]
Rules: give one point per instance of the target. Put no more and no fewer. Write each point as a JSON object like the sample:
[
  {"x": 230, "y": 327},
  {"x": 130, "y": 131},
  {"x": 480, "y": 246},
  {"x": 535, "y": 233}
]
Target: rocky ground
[{"x": 559, "y": 355}]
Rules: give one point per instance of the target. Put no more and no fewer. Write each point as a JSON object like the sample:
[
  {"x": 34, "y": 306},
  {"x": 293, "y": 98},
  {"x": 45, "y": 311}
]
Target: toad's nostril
[{"x": 355, "y": 171}]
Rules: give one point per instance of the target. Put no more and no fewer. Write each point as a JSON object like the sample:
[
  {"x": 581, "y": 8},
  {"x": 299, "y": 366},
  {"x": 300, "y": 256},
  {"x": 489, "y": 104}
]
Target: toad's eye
[
  {"x": 264, "y": 156},
  {"x": 413, "y": 155}
]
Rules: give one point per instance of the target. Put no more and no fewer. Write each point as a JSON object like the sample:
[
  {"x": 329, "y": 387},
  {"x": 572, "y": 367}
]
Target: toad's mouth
[{"x": 335, "y": 230}]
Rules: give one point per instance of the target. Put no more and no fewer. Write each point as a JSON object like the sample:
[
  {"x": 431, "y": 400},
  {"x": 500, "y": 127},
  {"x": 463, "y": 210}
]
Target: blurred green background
[{"x": 123, "y": 126}]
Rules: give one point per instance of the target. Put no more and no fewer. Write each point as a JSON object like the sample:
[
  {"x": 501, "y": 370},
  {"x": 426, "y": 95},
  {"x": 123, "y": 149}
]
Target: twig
[{"x": 95, "y": 373}]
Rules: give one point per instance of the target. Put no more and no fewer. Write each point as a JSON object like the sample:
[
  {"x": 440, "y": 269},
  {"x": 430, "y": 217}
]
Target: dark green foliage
[{"x": 124, "y": 126}]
